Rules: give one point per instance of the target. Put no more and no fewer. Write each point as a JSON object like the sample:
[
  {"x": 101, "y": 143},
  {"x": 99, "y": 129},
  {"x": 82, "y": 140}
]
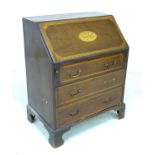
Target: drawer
[
  {"x": 87, "y": 107},
  {"x": 87, "y": 87},
  {"x": 82, "y": 69}
]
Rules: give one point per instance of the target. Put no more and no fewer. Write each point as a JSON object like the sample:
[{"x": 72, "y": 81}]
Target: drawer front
[
  {"x": 91, "y": 86},
  {"x": 82, "y": 69},
  {"x": 87, "y": 107}
]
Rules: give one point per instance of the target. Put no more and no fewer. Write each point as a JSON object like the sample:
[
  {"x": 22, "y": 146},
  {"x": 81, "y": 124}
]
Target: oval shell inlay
[{"x": 87, "y": 36}]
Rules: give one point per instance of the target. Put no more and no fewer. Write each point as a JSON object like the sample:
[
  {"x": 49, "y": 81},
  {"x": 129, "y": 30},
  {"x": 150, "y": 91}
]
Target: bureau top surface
[
  {"x": 56, "y": 17},
  {"x": 79, "y": 35}
]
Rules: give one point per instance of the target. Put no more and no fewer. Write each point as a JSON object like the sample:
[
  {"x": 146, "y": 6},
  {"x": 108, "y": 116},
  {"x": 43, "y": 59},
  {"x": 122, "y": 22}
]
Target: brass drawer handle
[
  {"x": 105, "y": 102},
  {"x": 115, "y": 62},
  {"x": 75, "y": 92},
  {"x": 110, "y": 64},
  {"x": 107, "y": 65},
  {"x": 74, "y": 112},
  {"x": 77, "y": 73},
  {"x": 110, "y": 99}
]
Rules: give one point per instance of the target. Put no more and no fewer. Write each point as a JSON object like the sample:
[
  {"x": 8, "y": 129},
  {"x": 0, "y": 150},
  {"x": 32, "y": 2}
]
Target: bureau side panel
[{"x": 40, "y": 73}]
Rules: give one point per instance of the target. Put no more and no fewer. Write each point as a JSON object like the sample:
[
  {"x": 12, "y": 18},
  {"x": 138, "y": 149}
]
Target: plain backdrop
[{"x": 104, "y": 134}]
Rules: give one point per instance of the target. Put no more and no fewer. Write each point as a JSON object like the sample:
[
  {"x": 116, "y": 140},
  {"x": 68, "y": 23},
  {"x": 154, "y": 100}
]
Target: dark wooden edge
[
  {"x": 126, "y": 56},
  {"x": 56, "y": 67},
  {"x": 55, "y": 135},
  {"x": 97, "y": 55}
]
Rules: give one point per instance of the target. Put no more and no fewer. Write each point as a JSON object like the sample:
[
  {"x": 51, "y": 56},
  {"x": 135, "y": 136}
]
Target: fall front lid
[{"x": 69, "y": 39}]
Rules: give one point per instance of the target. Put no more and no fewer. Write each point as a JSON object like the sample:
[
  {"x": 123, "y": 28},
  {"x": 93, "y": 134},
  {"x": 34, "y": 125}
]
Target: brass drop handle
[
  {"x": 107, "y": 65},
  {"x": 76, "y": 74},
  {"x": 74, "y": 112},
  {"x": 105, "y": 102},
  {"x": 110, "y": 64},
  {"x": 114, "y": 62},
  {"x": 108, "y": 100},
  {"x": 75, "y": 92}
]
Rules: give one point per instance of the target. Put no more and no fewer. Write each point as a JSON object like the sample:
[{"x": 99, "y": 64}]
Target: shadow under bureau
[{"x": 76, "y": 67}]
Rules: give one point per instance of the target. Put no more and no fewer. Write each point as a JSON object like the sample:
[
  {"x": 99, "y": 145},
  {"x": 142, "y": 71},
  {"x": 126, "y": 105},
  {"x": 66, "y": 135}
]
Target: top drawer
[{"x": 91, "y": 67}]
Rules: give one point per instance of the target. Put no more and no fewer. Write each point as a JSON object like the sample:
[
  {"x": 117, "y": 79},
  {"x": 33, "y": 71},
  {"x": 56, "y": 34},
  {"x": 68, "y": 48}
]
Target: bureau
[{"x": 75, "y": 67}]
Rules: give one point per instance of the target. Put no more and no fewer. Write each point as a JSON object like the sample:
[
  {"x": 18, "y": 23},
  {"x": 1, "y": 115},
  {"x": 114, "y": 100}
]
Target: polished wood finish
[
  {"x": 82, "y": 109},
  {"x": 108, "y": 34},
  {"x": 89, "y": 87},
  {"x": 80, "y": 70},
  {"x": 39, "y": 73},
  {"x": 76, "y": 67}
]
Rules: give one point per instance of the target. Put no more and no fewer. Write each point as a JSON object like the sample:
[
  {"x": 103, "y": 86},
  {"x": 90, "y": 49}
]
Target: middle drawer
[{"x": 88, "y": 87}]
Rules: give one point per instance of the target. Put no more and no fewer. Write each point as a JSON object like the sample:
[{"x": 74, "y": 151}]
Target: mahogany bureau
[{"x": 76, "y": 66}]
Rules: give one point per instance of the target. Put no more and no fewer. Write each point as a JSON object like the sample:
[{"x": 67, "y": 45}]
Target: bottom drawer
[{"x": 87, "y": 107}]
